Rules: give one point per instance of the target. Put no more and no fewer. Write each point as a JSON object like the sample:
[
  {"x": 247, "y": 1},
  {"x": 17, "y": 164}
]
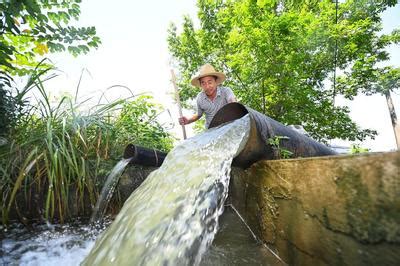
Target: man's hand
[{"x": 183, "y": 120}]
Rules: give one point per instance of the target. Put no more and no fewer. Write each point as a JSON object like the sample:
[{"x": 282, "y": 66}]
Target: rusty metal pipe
[
  {"x": 144, "y": 156},
  {"x": 263, "y": 128}
]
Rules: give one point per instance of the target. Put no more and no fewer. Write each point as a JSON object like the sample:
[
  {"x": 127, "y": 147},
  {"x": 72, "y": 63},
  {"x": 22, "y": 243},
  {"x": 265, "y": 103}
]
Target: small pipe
[{"x": 144, "y": 156}]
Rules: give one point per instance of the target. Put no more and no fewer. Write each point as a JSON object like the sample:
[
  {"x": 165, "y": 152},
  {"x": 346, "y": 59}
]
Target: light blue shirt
[{"x": 210, "y": 108}]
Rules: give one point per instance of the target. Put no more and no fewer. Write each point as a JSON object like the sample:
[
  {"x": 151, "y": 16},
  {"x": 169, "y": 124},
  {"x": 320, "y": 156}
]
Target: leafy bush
[
  {"x": 280, "y": 152},
  {"x": 57, "y": 154},
  {"x": 356, "y": 148},
  {"x": 138, "y": 124},
  {"x": 6, "y": 111}
]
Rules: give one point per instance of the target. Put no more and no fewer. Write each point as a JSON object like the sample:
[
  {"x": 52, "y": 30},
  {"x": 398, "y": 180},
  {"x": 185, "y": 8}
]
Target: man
[{"x": 212, "y": 97}]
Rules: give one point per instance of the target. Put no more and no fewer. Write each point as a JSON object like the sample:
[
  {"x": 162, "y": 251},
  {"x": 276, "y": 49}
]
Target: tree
[
  {"x": 30, "y": 29},
  {"x": 279, "y": 56}
]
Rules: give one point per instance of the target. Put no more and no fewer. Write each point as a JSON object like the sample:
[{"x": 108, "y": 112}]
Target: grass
[{"x": 56, "y": 154}]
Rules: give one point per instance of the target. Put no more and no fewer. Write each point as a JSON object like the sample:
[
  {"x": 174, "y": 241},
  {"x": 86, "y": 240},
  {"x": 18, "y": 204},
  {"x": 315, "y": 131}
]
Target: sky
[{"x": 134, "y": 54}]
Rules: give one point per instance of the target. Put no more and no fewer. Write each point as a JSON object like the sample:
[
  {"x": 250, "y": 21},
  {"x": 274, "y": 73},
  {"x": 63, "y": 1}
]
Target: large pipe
[
  {"x": 144, "y": 156},
  {"x": 263, "y": 128}
]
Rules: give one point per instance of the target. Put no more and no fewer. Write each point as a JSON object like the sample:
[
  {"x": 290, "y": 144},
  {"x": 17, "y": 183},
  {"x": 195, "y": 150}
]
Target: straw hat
[{"x": 207, "y": 70}]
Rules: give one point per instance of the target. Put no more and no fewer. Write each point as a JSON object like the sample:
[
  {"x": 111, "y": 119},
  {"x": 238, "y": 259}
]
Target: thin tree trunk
[
  {"x": 263, "y": 96},
  {"x": 393, "y": 117}
]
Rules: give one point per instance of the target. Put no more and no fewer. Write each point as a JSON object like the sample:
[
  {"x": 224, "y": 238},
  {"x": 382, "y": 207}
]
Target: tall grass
[{"x": 56, "y": 154}]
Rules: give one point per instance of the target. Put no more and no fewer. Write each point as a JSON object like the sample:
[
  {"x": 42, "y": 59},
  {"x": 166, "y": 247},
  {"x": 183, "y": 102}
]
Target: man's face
[{"x": 209, "y": 85}]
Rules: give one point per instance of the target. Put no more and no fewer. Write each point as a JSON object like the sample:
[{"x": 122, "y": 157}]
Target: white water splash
[
  {"x": 64, "y": 245},
  {"x": 173, "y": 216}
]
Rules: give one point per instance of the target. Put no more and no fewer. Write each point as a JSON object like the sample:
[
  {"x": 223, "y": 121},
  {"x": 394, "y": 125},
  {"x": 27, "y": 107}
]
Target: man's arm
[{"x": 185, "y": 120}]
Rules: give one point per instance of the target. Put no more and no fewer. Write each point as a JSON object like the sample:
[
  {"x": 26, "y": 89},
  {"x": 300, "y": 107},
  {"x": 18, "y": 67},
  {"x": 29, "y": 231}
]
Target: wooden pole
[
  {"x": 393, "y": 117},
  {"x": 178, "y": 101}
]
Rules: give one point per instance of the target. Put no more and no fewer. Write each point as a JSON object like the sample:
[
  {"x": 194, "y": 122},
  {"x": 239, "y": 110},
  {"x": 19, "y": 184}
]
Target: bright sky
[{"x": 134, "y": 54}]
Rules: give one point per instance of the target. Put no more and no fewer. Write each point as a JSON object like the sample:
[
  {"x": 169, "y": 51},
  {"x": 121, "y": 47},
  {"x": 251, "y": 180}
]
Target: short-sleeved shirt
[{"x": 210, "y": 108}]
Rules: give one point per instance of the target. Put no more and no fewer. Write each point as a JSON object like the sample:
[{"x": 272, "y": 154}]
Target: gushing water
[
  {"x": 108, "y": 190},
  {"x": 173, "y": 216},
  {"x": 45, "y": 244}
]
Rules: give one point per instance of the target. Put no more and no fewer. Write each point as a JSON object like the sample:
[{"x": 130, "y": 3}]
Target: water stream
[
  {"x": 48, "y": 244},
  {"x": 172, "y": 217},
  {"x": 108, "y": 190}
]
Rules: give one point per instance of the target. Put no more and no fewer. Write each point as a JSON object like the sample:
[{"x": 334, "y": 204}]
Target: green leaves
[
  {"x": 138, "y": 124},
  {"x": 34, "y": 25},
  {"x": 29, "y": 30},
  {"x": 279, "y": 57},
  {"x": 57, "y": 148},
  {"x": 280, "y": 152}
]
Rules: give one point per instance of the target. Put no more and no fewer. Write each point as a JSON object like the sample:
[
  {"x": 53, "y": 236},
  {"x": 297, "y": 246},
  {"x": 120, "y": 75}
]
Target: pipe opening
[{"x": 144, "y": 156}]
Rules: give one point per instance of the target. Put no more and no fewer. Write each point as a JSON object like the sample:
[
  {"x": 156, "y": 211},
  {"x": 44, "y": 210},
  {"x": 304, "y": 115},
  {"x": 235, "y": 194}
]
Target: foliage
[
  {"x": 280, "y": 55},
  {"x": 33, "y": 28},
  {"x": 138, "y": 124},
  {"x": 281, "y": 153},
  {"x": 28, "y": 31},
  {"x": 356, "y": 148},
  {"x": 53, "y": 151},
  {"x": 57, "y": 154},
  {"x": 13, "y": 106},
  {"x": 6, "y": 110}
]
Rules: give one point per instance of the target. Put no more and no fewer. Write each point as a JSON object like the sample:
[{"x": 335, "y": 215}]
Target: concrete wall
[{"x": 338, "y": 210}]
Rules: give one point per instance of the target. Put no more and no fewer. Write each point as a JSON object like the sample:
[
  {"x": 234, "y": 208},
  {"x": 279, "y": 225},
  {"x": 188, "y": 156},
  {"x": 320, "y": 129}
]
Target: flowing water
[
  {"x": 67, "y": 245},
  {"x": 108, "y": 190},
  {"x": 173, "y": 216},
  {"x": 46, "y": 244}
]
